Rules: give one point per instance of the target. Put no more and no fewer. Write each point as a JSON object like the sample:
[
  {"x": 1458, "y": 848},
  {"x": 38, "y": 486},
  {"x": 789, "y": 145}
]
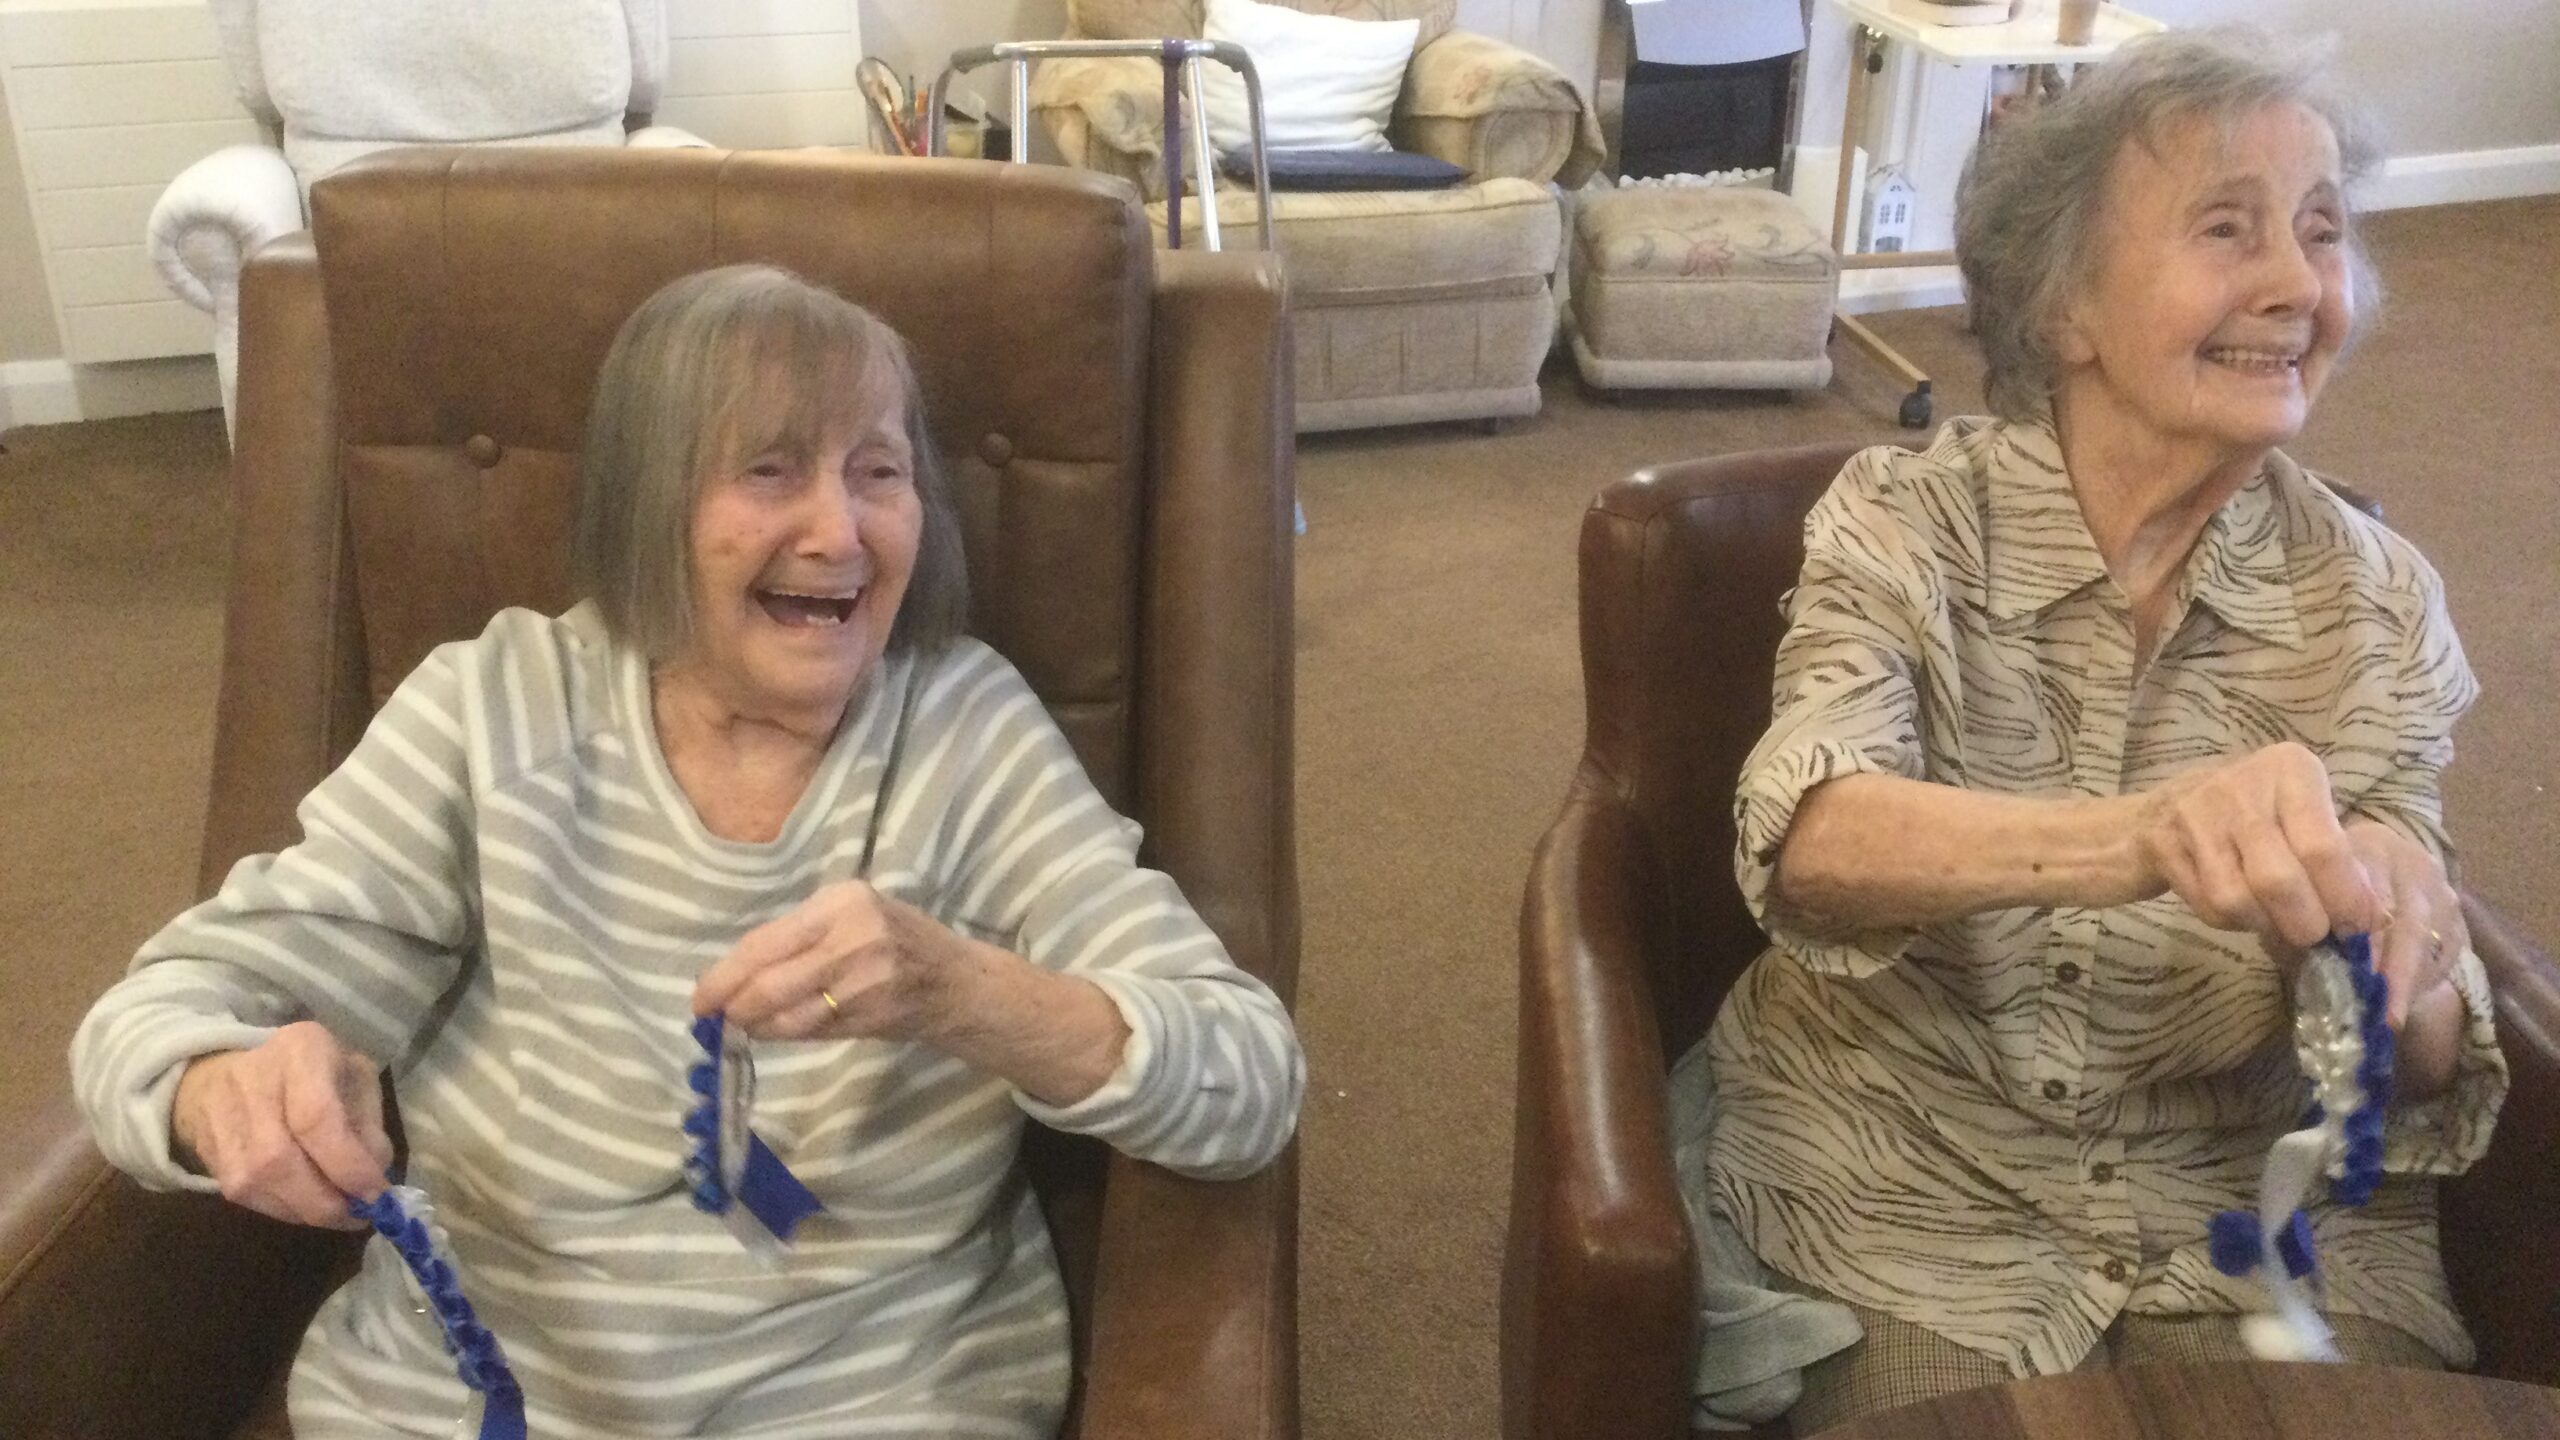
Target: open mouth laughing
[{"x": 807, "y": 610}]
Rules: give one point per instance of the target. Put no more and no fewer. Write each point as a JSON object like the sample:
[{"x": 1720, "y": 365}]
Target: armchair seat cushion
[
  {"x": 1706, "y": 286},
  {"x": 1341, "y": 247},
  {"x": 1410, "y": 305}
]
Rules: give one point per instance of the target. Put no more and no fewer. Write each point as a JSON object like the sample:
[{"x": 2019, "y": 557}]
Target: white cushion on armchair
[
  {"x": 338, "y": 80},
  {"x": 1327, "y": 83},
  {"x": 348, "y": 79}
]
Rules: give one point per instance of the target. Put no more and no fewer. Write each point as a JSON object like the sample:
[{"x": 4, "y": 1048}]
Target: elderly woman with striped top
[
  {"x": 2088, "y": 720},
  {"x": 562, "y": 841}
]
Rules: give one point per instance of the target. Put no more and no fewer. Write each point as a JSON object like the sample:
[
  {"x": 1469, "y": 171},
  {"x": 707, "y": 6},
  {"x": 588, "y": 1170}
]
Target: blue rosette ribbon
[
  {"x": 734, "y": 1174},
  {"x": 2345, "y": 1046},
  {"x": 403, "y": 1216}
]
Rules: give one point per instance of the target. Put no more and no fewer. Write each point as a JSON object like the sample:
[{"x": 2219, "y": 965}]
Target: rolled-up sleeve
[{"x": 1846, "y": 702}]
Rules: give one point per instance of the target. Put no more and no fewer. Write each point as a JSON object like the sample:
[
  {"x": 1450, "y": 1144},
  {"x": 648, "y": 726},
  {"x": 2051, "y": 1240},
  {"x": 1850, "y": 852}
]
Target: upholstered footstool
[
  {"x": 1707, "y": 287},
  {"x": 1409, "y": 305}
]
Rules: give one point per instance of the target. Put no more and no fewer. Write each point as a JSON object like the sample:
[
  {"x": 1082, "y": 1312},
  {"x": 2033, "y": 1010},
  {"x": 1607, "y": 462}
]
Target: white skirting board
[
  {"x": 2465, "y": 175},
  {"x": 1863, "y": 292},
  {"x": 56, "y": 392}
]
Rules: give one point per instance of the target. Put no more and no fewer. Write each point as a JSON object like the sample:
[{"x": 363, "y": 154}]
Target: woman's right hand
[
  {"x": 2255, "y": 844},
  {"x": 292, "y": 1129}
]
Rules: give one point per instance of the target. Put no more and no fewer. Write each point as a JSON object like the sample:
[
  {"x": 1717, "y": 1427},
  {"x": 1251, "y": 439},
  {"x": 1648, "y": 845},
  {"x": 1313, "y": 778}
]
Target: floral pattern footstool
[{"x": 1700, "y": 287}]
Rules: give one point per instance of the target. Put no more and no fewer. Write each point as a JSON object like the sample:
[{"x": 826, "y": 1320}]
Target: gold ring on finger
[
  {"x": 2435, "y": 943},
  {"x": 832, "y": 1007}
]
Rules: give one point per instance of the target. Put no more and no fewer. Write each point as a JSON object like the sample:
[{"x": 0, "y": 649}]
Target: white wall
[
  {"x": 917, "y": 37},
  {"x": 26, "y": 315},
  {"x": 2441, "y": 75}
]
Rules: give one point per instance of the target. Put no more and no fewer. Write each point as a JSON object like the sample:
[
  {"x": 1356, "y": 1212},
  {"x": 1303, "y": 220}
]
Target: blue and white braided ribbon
[
  {"x": 403, "y": 1216},
  {"x": 734, "y": 1174},
  {"x": 2345, "y": 1046}
]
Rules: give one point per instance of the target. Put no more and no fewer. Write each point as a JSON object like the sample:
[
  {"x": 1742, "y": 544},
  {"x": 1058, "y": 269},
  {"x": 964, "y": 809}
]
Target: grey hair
[
  {"x": 2028, "y": 221},
  {"x": 711, "y": 371}
]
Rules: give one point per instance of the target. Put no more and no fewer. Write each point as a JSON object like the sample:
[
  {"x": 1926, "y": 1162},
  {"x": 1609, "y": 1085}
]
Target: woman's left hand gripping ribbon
[
  {"x": 403, "y": 1216},
  {"x": 734, "y": 1174}
]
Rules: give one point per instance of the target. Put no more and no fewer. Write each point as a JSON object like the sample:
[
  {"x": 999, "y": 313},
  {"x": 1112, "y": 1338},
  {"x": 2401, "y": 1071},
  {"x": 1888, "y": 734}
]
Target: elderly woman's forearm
[
  {"x": 1871, "y": 851},
  {"x": 1054, "y": 1037}
]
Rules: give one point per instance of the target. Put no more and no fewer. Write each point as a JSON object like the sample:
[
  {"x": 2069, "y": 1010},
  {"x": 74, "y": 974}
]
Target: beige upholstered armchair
[
  {"x": 1490, "y": 108},
  {"x": 1411, "y": 305}
]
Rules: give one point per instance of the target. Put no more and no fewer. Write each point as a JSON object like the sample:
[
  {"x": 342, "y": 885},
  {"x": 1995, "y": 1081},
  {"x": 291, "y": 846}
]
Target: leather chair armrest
[
  {"x": 1599, "y": 1306},
  {"x": 293, "y": 696},
  {"x": 1193, "y": 1323},
  {"x": 126, "y": 1313},
  {"x": 2499, "y": 1217},
  {"x": 1496, "y": 110},
  {"x": 1193, "y": 1331},
  {"x": 1218, "y": 790}
]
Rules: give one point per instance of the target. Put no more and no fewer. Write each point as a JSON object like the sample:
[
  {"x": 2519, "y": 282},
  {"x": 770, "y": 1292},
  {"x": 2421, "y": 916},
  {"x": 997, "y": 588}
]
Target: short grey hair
[
  {"x": 2028, "y": 210},
  {"x": 711, "y": 371}
]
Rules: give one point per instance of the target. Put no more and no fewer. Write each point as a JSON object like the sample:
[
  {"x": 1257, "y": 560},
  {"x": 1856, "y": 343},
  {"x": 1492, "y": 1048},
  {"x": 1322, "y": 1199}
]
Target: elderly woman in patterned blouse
[
  {"x": 2089, "y": 719},
  {"x": 563, "y": 840}
]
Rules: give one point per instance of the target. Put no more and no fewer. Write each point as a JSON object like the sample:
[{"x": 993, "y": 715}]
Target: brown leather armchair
[
  {"x": 413, "y": 395},
  {"x": 1633, "y": 929}
]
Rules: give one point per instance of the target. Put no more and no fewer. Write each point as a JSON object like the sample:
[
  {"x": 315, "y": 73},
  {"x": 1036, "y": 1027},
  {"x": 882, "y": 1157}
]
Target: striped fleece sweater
[{"x": 504, "y": 895}]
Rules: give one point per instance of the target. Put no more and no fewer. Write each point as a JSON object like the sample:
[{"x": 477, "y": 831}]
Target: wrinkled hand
[
  {"x": 291, "y": 1129},
  {"x": 2417, "y": 945},
  {"x": 2254, "y": 844},
  {"x": 892, "y": 971}
]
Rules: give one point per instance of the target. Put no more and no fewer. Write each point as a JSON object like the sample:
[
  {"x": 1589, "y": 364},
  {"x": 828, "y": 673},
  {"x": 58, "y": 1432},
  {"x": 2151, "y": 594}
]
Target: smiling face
[
  {"x": 801, "y": 551},
  {"x": 2223, "y": 295}
]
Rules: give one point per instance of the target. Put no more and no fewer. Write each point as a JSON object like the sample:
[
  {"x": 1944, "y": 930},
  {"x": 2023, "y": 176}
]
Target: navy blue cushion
[{"x": 1349, "y": 170}]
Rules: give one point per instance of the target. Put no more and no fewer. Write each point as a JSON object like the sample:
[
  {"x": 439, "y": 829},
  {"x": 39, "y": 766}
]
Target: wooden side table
[{"x": 2227, "y": 1402}]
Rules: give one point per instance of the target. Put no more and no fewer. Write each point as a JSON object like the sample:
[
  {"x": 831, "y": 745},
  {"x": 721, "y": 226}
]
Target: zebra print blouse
[{"x": 2013, "y": 1127}]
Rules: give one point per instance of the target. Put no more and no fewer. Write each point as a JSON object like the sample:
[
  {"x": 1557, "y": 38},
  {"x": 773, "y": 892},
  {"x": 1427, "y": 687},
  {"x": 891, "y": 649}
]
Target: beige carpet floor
[{"x": 1439, "y": 718}]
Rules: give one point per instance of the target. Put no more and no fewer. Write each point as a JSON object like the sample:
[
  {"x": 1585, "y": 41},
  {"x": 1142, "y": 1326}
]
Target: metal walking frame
[{"x": 1181, "y": 59}]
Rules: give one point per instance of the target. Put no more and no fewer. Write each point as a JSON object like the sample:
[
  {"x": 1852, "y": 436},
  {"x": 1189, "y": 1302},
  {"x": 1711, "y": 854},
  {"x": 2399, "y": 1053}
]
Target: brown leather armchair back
[{"x": 413, "y": 393}]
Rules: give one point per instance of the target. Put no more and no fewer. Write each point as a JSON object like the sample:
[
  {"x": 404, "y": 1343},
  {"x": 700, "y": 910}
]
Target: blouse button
[
  {"x": 2102, "y": 1173},
  {"x": 482, "y": 451},
  {"x": 2068, "y": 972},
  {"x": 995, "y": 449},
  {"x": 2115, "y": 1272},
  {"x": 2055, "y": 1090}
]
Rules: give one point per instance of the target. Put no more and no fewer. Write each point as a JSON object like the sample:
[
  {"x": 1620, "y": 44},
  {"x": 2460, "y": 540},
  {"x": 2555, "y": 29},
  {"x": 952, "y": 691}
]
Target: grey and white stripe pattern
[
  {"x": 507, "y": 842},
  {"x": 2013, "y": 1127}
]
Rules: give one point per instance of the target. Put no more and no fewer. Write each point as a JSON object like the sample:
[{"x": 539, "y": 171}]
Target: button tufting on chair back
[{"x": 472, "y": 295}]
